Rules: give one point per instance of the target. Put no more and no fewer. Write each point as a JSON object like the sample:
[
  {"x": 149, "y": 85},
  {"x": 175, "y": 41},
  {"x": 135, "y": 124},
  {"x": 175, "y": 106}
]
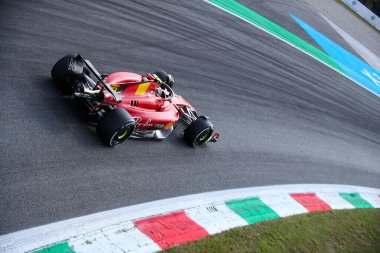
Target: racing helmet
[{"x": 165, "y": 77}]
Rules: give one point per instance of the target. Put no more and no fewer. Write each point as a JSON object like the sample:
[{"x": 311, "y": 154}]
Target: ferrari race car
[{"x": 125, "y": 104}]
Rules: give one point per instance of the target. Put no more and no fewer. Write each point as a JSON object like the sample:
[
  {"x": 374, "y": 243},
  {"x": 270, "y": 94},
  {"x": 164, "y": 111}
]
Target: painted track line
[
  {"x": 326, "y": 60},
  {"x": 157, "y": 225},
  {"x": 371, "y": 58}
]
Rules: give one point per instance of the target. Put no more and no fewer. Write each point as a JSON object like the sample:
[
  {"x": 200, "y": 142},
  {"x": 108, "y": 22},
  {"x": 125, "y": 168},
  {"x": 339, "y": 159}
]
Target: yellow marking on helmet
[
  {"x": 141, "y": 90},
  {"x": 157, "y": 79}
]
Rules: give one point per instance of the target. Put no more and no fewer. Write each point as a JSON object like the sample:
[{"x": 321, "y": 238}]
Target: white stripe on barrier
[
  {"x": 283, "y": 204},
  {"x": 116, "y": 239},
  {"x": 86, "y": 227},
  {"x": 215, "y": 218},
  {"x": 373, "y": 199},
  {"x": 335, "y": 201}
]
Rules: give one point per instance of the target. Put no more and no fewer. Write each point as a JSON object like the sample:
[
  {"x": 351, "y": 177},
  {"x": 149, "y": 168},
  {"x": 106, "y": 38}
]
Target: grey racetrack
[{"x": 284, "y": 118}]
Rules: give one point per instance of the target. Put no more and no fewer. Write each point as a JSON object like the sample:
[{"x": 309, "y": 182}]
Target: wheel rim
[
  {"x": 123, "y": 134},
  {"x": 203, "y": 136}
]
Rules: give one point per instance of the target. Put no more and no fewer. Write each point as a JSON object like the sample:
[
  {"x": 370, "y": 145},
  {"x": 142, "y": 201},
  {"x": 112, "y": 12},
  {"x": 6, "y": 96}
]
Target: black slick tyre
[
  {"x": 115, "y": 126},
  {"x": 199, "y": 131}
]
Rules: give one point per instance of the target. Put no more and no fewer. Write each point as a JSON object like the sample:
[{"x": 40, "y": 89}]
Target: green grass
[
  {"x": 356, "y": 15},
  {"x": 356, "y": 230}
]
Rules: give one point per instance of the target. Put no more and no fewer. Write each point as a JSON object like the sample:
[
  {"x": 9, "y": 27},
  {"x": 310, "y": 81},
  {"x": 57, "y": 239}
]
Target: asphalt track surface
[{"x": 284, "y": 118}]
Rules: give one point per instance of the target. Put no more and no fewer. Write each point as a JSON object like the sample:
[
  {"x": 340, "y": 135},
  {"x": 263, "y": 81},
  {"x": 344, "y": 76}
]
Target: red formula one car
[{"x": 125, "y": 104}]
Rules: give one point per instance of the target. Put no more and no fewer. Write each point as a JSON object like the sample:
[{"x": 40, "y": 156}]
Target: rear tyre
[
  {"x": 115, "y": 126},
  {"x": 66, "y": 71},
  {"x": 199, "y": 131}
]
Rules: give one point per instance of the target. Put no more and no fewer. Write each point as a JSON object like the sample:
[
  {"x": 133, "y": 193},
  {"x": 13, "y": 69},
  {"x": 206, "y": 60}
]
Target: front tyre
[
  {"x": 199, "y": 131},
  {"x": 115, "y": 126}
]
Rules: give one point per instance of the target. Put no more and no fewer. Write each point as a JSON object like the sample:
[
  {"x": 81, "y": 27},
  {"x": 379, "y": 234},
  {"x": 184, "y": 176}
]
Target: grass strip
[{"x": 356, "y": 230}]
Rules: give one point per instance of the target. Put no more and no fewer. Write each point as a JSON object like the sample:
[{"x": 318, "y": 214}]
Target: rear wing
[{"x": 93, "y": 70}]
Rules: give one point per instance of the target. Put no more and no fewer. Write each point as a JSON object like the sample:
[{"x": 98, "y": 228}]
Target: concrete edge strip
[{"x": 157, "y": 225}]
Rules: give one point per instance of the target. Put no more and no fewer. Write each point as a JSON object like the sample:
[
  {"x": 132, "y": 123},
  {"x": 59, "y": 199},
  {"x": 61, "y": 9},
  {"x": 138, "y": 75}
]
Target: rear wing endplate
[{"x": 93, "y": 70}]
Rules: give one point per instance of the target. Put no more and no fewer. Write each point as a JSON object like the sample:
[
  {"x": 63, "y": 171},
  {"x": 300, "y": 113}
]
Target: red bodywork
[{"x": 139, "y": 98}]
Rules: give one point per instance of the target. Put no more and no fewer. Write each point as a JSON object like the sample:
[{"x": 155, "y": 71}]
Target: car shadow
[{"x": 63, "y": 113}]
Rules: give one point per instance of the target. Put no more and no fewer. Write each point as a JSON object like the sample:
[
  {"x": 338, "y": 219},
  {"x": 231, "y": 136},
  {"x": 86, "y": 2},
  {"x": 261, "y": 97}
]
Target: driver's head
[{"x": 165, "y": 77}]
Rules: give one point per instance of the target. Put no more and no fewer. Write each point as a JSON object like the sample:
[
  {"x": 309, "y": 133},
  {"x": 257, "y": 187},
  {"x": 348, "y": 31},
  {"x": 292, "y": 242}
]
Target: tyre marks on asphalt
[
  {"x": 359, "y": 71},
  {"x": 336, "y": 58},
  {"x": 283, "y": 119}
]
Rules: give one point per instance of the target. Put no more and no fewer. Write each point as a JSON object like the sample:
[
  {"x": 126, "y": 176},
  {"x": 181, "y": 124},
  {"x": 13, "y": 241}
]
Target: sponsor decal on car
[{"x": 139, "y": 123}]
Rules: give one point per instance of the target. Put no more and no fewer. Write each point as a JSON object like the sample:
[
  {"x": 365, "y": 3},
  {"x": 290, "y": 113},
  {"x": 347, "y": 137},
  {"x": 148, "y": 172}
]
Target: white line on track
[
  {"x": 294, "y": 46},
  {"x": 370, "y": 57}
]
